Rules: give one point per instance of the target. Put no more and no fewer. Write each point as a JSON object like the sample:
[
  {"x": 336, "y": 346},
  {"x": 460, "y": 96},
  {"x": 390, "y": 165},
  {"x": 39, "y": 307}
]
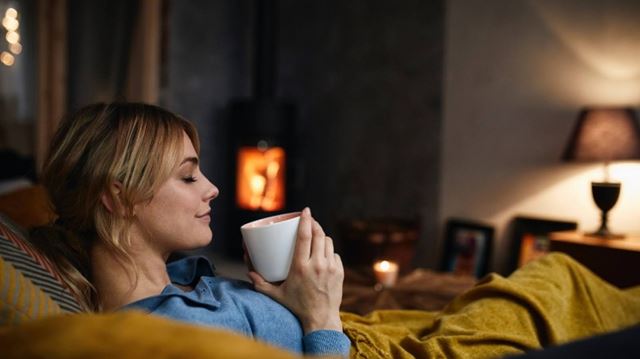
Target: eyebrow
[{"x": 193, "y": 160}]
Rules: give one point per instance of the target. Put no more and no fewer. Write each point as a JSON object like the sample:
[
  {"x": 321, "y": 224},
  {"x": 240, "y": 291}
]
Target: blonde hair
[{"x": 136, "y": 145}]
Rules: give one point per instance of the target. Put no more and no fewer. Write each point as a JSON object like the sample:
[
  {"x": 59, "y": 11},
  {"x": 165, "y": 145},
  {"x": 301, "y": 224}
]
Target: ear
[{"x": 110, "y": 198}]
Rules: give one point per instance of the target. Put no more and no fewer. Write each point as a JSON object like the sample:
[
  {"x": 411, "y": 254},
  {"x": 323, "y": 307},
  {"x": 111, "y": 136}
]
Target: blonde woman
[{"x": 125, "y": 182}]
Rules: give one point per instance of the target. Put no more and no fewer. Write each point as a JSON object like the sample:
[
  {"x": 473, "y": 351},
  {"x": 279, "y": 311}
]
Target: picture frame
[
  {"x": 467, "y": 248},
  {"x": 529, "y": 237}
]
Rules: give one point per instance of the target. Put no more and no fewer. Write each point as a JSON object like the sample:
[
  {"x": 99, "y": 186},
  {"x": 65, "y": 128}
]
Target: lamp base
[
  {"x": 605, "y": 234},
  {"x": 605, "y": 194}
]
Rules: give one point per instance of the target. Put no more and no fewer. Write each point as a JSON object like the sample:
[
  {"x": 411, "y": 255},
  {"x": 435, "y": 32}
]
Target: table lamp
[{"x": 604, "y": 135}]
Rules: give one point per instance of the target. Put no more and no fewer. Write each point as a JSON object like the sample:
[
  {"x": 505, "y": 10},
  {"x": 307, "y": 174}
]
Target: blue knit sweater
[{"x": 235, "y": 305}]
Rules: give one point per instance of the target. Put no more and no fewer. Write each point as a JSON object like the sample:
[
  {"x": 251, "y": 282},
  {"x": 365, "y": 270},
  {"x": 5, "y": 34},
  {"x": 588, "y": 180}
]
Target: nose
[{"x": 211, "y": 192}]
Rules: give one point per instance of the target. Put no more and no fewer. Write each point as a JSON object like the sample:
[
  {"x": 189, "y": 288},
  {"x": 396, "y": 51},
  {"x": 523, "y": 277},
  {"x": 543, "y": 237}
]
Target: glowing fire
[{"x": 261, "y": 178}]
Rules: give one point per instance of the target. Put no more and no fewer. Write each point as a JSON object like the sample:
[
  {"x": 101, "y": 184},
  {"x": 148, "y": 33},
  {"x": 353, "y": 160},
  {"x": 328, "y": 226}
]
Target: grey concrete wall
[{"x": 366, "y": 76}]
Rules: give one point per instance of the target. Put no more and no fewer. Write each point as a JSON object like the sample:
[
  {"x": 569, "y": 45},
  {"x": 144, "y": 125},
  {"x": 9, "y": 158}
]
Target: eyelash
[{"x": 190, "y": 179}]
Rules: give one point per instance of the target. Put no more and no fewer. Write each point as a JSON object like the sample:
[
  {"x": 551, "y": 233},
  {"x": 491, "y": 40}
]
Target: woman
[{"x": 125, "y": 182}]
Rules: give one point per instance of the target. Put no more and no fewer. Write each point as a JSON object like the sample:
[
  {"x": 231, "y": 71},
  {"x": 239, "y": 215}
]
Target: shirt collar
[{"x": 187, "y": 271}]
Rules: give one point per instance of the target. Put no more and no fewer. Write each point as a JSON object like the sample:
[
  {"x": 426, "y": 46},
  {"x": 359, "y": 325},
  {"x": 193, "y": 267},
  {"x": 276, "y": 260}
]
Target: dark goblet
[{"x": 605, "y": 194}]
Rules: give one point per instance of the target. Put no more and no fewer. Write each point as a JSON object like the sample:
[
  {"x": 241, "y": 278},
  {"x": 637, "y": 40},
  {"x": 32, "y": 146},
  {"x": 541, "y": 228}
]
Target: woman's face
[{"x": 178, "y": 215}]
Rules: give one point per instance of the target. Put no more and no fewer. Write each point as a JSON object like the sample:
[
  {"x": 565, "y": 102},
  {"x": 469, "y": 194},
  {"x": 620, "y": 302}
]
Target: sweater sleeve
[{"x": 326, "y": 342}]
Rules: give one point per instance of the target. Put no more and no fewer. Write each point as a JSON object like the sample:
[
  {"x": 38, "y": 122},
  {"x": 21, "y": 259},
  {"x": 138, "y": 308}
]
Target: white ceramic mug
[{"x": 270, "y": 243}]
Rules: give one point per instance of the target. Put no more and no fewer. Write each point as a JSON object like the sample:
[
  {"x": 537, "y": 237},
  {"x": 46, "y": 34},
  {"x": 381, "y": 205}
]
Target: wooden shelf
[
  {"x": 614, "y": 260},
  {"x": 627, "y": 243}
]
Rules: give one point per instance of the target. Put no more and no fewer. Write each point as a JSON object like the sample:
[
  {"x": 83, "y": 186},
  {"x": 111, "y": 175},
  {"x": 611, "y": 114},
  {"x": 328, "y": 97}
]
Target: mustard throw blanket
[{"x": 548, "y": 302}]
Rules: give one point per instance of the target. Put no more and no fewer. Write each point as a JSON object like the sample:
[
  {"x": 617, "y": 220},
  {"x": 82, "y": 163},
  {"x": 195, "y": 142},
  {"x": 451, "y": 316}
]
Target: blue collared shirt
[{"x": 235, "y": 305}]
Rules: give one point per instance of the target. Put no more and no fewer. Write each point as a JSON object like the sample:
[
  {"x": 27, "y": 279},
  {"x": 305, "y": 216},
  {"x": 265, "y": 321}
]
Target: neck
[{"x": 120, "y": 282}]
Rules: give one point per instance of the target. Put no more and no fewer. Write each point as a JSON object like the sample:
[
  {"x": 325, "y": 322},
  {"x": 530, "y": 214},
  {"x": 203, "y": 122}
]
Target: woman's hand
[{"x": 313, "y": 288}]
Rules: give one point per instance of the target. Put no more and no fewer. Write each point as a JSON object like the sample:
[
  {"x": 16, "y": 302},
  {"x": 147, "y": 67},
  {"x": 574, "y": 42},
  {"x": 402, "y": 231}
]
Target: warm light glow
[
  {"x": 10, "y": 23},
  {"x": 11, "y": 12},
  {"x": 386, "y": 272},
  {"x": 567, "y": 196},
  {"x": 257, "y": 184},
  {"x": 260, "y": 179},
  {"x": 12, "y": 37},
  {"x": 383, "y": 266},
  {"x": 15, "y": 48},
  {"x": 607, "y": 42},
  {"x": 6, "y": 58}
]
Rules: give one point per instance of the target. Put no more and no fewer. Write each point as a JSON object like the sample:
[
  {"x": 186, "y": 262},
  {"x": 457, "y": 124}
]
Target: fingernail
[{"x": 306, "y": 211}]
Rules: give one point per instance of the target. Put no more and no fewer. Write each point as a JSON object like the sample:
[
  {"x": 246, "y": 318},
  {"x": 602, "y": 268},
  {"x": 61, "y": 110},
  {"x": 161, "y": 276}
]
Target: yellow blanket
[{"x": 548, "y": 302}]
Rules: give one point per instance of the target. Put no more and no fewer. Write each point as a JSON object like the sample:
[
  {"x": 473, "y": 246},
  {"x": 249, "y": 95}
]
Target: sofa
[{"x": 40, "y": 318}]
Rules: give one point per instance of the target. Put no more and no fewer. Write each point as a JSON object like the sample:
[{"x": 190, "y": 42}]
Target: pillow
[
  {"x": 21, "y": 300},
  {"x": 26, "y": 264}
]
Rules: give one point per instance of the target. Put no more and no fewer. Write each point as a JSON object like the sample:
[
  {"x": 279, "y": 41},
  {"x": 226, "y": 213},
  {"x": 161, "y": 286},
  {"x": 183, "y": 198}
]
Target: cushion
[
  {"x": 127, "y": 334},
  {"x": 21, "y": 263},
  {"x": 20, "y": 299}
]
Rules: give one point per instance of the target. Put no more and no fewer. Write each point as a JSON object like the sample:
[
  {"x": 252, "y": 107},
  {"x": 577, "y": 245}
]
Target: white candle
[{"x": 386, "y": 272}]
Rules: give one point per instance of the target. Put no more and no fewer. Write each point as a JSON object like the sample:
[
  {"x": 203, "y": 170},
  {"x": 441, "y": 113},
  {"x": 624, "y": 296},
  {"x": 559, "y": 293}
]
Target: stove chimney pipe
[{"x": 265, "y": 52}]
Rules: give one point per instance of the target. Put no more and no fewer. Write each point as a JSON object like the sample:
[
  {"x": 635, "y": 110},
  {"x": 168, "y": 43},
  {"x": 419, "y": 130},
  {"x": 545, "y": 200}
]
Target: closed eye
[{"x": 190, "y": 179}]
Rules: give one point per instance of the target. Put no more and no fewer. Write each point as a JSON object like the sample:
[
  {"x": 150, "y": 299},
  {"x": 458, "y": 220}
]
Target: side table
[
  {"x": 615, "y": 260},
  {"x": 420, "y": 289}
]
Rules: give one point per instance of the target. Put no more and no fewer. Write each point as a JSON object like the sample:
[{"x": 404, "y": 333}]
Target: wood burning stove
[{"x": 262, "y": 133}]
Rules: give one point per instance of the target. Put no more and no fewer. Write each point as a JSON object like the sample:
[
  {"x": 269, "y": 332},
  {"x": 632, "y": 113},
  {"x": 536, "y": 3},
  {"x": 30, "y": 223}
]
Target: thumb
[{"x": 262, "y": 285}]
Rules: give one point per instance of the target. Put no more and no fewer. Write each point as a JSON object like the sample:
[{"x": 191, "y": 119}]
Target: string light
[
  {"x": 16, "y": 48},
  {"x": 11, "y": 24},
  {"x": 6, "y": 58},
  {"x": 11, "y": 12},
  {"x": 12, "y": 37}
]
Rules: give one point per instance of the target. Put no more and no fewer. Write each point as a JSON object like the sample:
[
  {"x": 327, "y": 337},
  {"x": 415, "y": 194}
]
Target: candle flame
[{"x": 385, "y": 266}]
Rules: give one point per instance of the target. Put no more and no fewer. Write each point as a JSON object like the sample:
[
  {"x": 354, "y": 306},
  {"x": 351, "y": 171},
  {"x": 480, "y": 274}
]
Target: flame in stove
[{"x": 260, "y": 179}]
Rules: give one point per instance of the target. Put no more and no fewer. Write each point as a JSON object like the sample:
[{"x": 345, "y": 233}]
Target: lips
[{"x": 204, "y": 215}]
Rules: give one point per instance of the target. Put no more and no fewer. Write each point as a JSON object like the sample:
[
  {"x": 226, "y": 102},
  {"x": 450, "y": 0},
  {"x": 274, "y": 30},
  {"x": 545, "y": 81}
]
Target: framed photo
[
  {"x": 467, "y": 247},
  {"x": 530, "y": 237}
]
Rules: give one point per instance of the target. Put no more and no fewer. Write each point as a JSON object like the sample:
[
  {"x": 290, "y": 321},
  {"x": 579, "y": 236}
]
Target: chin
[
  {"x": 195, "y": 246},
  {"x": 205, "y": 239},
  {"x": 195, "y": 241}
]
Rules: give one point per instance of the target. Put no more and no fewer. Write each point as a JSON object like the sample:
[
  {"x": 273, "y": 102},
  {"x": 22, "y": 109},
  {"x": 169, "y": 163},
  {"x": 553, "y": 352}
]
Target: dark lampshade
[{"x": 604, "y": 135}]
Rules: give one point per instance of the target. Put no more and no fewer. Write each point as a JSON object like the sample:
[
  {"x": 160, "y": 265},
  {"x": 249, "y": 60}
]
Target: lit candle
[{"x": 386, "y": 272}]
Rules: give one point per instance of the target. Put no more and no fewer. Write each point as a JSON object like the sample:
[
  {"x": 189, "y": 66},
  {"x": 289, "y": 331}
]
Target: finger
[
  {"x": 328, "y": 248},
  {"x": 338, "y": 260},
  {"x": 246, "y": 257},
  {"x": 318, "y": 244},
  {"x": 247, "y": 261},
  {"x": 303, "y": 241}
]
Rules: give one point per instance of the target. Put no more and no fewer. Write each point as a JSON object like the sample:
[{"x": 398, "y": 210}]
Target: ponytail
[{"x": 70, "y": 257}]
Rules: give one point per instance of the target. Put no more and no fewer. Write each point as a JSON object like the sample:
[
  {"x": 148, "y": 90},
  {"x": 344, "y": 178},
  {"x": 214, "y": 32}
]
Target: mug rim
[{"x": 278, "y": 218}]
